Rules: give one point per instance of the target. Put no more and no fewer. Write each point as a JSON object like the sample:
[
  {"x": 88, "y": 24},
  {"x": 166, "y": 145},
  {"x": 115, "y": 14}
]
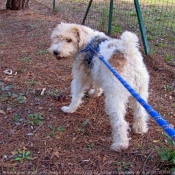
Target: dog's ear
[{"x": 81, "y": 35}]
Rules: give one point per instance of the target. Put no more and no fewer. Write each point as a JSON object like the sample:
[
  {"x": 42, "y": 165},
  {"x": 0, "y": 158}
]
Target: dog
[{"x": 68, "y": 40}]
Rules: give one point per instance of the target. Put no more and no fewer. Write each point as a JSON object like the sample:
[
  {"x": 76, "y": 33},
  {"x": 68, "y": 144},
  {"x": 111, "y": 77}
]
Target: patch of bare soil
[{"x": 37, "y": 137}]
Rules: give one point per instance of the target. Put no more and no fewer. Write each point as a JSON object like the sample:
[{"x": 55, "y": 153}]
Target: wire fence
[{"x": 158, "y": 17}]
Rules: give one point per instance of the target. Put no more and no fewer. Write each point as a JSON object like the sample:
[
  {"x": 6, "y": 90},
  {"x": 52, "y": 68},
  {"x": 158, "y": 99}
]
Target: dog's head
[{"x": 67, "y": 40}]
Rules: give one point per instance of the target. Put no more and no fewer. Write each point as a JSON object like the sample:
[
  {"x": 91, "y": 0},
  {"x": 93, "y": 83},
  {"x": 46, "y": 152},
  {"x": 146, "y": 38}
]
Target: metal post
[
  {"x": 142, "y": 27},
  {"x": 87, "y": 11},
  {"x": 110, "y": 16},
  {"x": 53, "y": 4}
]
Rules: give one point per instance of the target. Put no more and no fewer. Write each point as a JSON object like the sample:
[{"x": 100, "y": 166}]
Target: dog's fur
[{"x": 123, "y": 54}]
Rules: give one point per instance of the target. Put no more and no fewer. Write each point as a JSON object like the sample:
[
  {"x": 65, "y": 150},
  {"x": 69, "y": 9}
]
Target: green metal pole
[
  {"x": 142, "y": 27},
  {"x": 110, "y": 16},
  {"x": 87, "y": 11},
  {"x": 53, "y": 4}
]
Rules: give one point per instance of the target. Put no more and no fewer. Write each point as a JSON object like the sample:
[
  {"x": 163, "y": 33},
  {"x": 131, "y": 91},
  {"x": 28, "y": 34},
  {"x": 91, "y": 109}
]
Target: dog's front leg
[{"x": 78, "y": 87}]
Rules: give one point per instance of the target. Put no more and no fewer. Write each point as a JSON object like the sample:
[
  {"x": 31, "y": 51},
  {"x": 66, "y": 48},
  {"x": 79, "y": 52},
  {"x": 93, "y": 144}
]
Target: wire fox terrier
[{"x": 68, "y": 41}]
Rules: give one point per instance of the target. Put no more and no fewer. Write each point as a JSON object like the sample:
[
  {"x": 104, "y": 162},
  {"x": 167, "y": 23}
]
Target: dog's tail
[{"x": 131, "y": 42}]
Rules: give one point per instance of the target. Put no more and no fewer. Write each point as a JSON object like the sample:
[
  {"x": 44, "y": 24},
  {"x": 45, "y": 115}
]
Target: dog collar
[{"x": 92, "y": 49}]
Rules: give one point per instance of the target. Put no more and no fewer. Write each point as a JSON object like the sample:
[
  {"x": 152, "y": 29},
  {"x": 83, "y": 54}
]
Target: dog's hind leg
[
  {"x": 116, "y": 109},
  {"x": 140, "y": 115},
  {"x": 78, "y": 87}
]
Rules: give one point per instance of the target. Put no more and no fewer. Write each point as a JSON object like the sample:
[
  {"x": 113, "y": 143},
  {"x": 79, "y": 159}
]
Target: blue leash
[{"x": 153, "y": 113}]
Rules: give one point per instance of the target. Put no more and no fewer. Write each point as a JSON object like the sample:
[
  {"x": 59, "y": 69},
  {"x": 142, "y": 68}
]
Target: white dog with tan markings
[{"x": 69, "y": 41}]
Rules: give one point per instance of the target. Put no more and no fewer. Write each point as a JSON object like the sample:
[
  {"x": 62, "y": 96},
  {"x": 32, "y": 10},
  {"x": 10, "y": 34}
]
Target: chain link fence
[{"x": 158, "y": 17}]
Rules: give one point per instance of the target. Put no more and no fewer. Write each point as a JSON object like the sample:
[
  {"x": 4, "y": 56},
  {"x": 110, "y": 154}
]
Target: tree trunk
[{"x": 17, "y": 4}]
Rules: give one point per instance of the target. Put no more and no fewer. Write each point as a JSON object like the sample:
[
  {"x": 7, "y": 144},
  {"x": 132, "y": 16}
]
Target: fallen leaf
[
  {"x": 74, "y": 139},
  {"x": 12, "y": 131},
  {"x": 55, "y": 154},
  {"x": 104, "y": 159},
  {"x": 156, "y": 141},
  {"x": 8, "y": 71},
  {"x": 2, "y": 112}
]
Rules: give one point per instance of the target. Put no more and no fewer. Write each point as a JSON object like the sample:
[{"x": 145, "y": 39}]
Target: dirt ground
[{"x": 36, "y": 137}]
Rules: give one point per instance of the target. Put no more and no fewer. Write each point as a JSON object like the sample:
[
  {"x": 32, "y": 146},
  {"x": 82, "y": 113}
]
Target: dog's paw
[
  {"x": 140, "y": 127},
  {"x": 118, "y": 147},
  {"x": 66, "y": 109},
  {"x": 91, "y": 92},
  {"x": 94, "y": 93}
]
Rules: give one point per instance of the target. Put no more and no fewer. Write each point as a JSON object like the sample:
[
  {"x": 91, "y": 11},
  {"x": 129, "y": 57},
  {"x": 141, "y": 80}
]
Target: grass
[
  {"x": 161, "y": 45},
  {"x": 104, "y": 18},
  {"x": 168, "y": 58},
  {"x": 159, "y": 2},
  {"x": 42, "y": 52},
  {"x": 116, "y": 29},
  {"x": 158, "y": 18}
]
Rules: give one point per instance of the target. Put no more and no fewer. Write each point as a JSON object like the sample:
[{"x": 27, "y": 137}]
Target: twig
[
  {"x": 146, "y": 161},
  {"x": 38, "y": 128},
  {"x": 42, "y": 92}
]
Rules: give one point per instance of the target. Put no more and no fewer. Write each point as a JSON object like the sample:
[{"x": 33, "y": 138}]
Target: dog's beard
[
  {"x": 62, "y": 58},
  {"x": 59, "y": 58},
  {"x": 68, "y": 56}
]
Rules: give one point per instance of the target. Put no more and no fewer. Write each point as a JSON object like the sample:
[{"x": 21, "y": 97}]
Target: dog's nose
[{"x": 56, "y": 52}]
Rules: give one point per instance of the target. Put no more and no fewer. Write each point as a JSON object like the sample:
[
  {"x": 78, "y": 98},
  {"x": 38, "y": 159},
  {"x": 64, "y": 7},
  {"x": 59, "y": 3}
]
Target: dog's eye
[{"x": 68, "y": 40}]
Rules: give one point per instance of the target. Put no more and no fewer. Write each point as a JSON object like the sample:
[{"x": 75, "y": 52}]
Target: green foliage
[
  {"x": 60, "y": 129},
  {"x": 54, "y": 131},
  {"x": 168, "y": 88},
  {"x": 50, "y": 127},
  {"x": 23, "y": 155},
  {"x": 104, "y": 18},
  {"x": 166, "y": 153},
  {"x": 57, "y": 9},
  {"x": 16, "y": 118},
  {"x": 8, "y": 95},
  {"x": 149, "y": 37},
  {"x": 132, "y": 13},
  {"x": 123, "y": 166},
  {"x": 169, "y": 58},
  {"x": 116, "y": 28},
  {"x": 36, "y": 119},
  {"x": 4, "y": 97},
  {"x": 26, "y": 59},
  {"x": 19, "y": 98},
  {"x": 6, "y": 88},
  {"x": 161, "y": 45},
  {"x": 55, "y": 93},
  {"x": 90, "y": 146},
  {"x": 31, "y": 82},
  {"x": 42, "y": 52}
]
